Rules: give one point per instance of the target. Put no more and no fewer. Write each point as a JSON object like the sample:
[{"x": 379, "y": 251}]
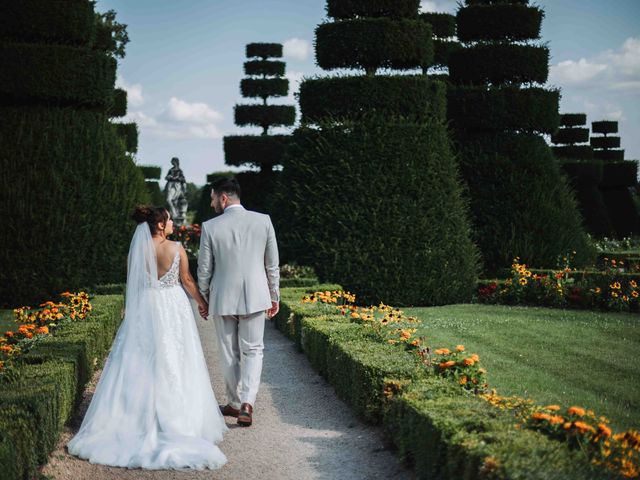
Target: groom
[{"x": 239, "y": 250}]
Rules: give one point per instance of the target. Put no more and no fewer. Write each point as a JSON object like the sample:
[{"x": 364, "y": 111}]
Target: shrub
[
  {"x": 573, "y": 119},
  {"x": 255, "y": 149},
  {"x": 499, "y": 64},
  {"x": 346, "y": 9},
  {"x": 74, "y": 183},
  {"x": 533, "y": 110},
  {"x": 519, "y": 170},
  {"x": 401, "y": 249},
  {"x": 264, "y": 50},
  {"x": 374, "y": 43},
  {"x": 609, "y": 155},
  {"x": 150, "y": 172},
  {"x": 265, "y": 115},
  {"x": 264, "y": 87},
  {"x": 414, "y": 96},
  {"x": 574, "y": 152},
  {"x": 442, "y": 24},
  {"x": 128, "y": 132},
  {"x": 264, "y": 67},
  {"x": 605, "y": 142},
  {"x": 604, "y": 126},
  {"x": 119, "y": 106},
  {"x": 499, "y": 22}
]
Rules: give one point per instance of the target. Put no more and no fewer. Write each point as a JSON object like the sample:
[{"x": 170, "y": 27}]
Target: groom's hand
[
  {"x": 273, "y": 311},
  {"x": 203, "y": 308}
]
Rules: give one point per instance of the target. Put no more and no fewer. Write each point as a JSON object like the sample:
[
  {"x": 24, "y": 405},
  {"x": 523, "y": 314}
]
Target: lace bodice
[{"x": 172, "y": 277}]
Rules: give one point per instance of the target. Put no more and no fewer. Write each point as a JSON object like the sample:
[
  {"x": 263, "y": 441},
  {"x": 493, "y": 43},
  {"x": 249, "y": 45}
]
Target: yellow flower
[
  {"x": 634, "y": 294},
  {"x": 523, "y": 281},
  {"x": 633, "y": 284},
  {"x": 615, "y": 285},
  {"x": 463, "y": 380}
]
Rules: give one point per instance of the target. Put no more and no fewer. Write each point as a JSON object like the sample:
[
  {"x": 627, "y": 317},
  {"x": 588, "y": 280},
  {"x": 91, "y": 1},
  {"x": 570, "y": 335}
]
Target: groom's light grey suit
[{"x": 238, "y": 272}]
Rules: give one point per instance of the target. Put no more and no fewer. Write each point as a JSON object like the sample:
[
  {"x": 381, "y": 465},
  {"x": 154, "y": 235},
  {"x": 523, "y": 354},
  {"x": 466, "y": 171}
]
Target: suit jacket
[{"x": 239, "y": 250}]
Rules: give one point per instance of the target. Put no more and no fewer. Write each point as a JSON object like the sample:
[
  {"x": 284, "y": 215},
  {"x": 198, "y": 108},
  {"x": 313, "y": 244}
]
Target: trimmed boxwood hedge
[
  {"x": 118, "y": 108},
  {"x": 256, "y": 149},
  {"x": 503, "y": 109},
  {"x": 576, "y": 152},
  {"x": 604, "y": 127},
  {"x": 62, "y": 21},
  {"x": 443, "y": 25},
  {"x": 265, "y": 115},
  {"x": 609, "y": 155},
  {"x": 150, "y": 172},
  {"x": 573, "y": 119},
  {"x": 499, "y": 22},
  {"x": 129, "y": 134},
  {"x": 374, "y": 43},
  {"x": 264, "y": 50},
  {"x": 347, "y": 9},
  {"x": 620, "y": 174},
  {"x": 605, "y": 142},
  {"x": 622, "y": 210},
  {"x": 414, "y": 96},
  {"x": 499, "y": 64},
  {"x": 571, "y": 135},
  {"x": 264, "y": 87},
  {"x": 40, "y": 398},
  {"x": 439, "y": 428},
  {"x": 65, "y": 75},
  {"x": 264, "y": 67}
]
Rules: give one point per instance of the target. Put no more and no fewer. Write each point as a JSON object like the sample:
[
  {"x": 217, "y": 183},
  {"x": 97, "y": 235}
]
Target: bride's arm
[{"x": 187, "y": 280}]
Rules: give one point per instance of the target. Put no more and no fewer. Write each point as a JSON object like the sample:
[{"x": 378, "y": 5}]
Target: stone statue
[{"x": 175, "y": 192}]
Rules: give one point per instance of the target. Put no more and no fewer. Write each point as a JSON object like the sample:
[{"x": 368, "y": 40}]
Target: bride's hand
[{"x": 203, "y": 309}]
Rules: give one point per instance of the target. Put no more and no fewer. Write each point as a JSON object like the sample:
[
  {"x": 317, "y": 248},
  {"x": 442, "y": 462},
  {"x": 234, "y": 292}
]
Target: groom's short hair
[{"x": 228, "y": 185}]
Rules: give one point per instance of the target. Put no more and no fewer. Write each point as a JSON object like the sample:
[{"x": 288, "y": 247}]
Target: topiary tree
[
  {"x": 370, "y": 194},
  {"x": 619, "y": 177},
  {"x": 68, "y": 184},
  {"x": 443, "y": 26},
  {"x": 265, "y": 80},
  {"x": 584, "y": 172},
  {"x": 498, "y": 113},
  {"x": 152, "y": 175}
]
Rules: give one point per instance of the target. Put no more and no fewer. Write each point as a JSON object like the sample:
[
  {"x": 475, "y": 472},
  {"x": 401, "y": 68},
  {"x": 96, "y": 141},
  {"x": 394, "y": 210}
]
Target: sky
[{"x": 184, "y": 64}]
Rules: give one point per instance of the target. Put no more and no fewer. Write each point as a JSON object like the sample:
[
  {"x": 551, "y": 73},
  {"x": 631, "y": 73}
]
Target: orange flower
[
  {"x": 556, "y": 419},
  {"x": 482, "y": 371},
  {"x": 475, "y": 357},
  {"x": 469, "y": 361},
  {"x": 576, "y": 411},
  {"x": 553, "y": 408},
  {"x": 8, "y": 334},
  {"x": 443, "y": 351},
  {"x": 459, "y": 348},
  {"x": 448, "y": 364},
  {"x": 355, "y": 315},
  {"x": 583, "y": 427},
  {"x": 43, "y": 330},
  {"x": 604, "y": 430},
  {"x": 541, "y": 416},
  {"x": 463, "y": 380}
]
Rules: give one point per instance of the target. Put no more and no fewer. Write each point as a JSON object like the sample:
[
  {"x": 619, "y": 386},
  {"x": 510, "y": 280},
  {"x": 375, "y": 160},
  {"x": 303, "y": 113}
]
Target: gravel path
[{"x": 301, "y": 430}]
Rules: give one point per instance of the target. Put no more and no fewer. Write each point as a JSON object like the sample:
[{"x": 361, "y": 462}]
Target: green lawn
[
  {"x": 568, "y": 357},
  {"x": 6, "y": 321}
]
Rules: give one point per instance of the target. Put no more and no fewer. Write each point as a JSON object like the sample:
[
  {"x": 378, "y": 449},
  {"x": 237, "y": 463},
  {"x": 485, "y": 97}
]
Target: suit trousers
[{"x": 240, "y": 350}]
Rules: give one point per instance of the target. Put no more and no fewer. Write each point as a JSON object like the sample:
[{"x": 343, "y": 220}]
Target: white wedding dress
[{"x": 153, "y": 407}]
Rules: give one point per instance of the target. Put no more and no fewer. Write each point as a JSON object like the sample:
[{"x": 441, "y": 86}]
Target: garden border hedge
[
  {"x": 48, "y": 386},
  {"x": 444, "y": 431}
]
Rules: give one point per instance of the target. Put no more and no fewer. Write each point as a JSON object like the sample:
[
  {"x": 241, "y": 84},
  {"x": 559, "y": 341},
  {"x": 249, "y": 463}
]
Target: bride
[{"x": 153, "y": 407}]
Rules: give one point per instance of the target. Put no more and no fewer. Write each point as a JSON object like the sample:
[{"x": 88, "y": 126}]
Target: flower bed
[
  {"x": 612, "y": 288},
  {"x": 44, "y": 384},
  {"x": 432, "y": 414}
]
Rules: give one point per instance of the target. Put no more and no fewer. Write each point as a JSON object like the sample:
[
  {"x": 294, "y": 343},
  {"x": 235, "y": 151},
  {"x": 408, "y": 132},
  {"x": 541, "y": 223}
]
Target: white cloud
[
  {"x": 134, "y": 91},
  {"x": 180, "y": 111},
  {"x": 612, "y": 70},
  {"x": 297, "y": 48},
  {"x": 179, "y": 119},
  {"x": 440, "y": 6},
  {"x": 575, "y": 72}
]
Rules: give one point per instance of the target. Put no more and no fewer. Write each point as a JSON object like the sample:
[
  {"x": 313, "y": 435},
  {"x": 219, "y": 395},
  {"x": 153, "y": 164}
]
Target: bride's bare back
[{"x": 165, "y": 254}]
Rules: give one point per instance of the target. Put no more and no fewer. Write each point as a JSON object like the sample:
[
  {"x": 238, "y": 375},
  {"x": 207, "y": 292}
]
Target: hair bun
[{"x": 142, "y": 213}]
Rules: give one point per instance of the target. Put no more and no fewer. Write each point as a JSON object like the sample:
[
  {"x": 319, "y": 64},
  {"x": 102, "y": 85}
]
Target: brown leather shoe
[
  {"x": 228, "y": 411},
  {"x": 245, "y": 417}
]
